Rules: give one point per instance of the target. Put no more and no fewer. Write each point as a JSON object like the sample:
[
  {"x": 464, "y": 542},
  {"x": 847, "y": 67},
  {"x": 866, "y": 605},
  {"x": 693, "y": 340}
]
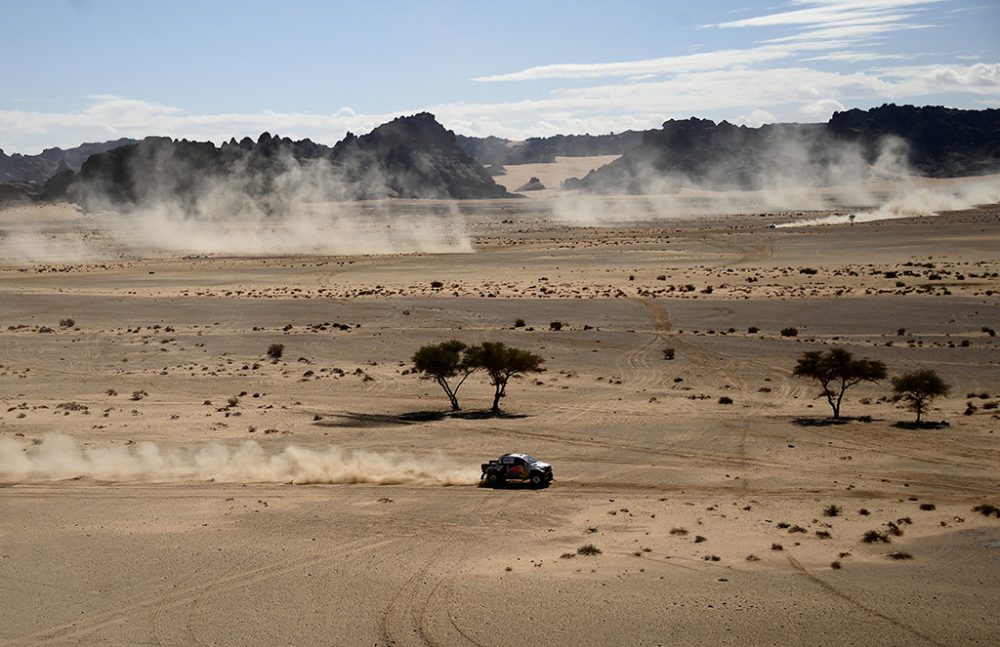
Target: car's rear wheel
[{"x": 492, "y": 479}]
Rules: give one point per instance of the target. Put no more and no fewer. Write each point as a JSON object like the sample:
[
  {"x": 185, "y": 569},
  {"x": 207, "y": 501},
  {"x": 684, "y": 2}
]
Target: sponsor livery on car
[{"x": 521, "y": 467}]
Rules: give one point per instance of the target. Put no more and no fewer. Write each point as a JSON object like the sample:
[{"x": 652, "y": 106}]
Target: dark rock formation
[
  {"x": 494, "y": 150},
  {"x": 38, "y": 168},
  {"x": 409, "y": 157},
  {"x": 13, "y": 194},
  {"x": 534, "y": 184},
  {"x": 936, "y": 141}
]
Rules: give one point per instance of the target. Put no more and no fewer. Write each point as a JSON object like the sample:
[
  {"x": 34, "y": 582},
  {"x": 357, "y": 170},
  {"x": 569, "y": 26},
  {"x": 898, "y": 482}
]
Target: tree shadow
[
  {"x": 353, "y": 419},
  {"x": 928, "y": 424},
  {"x": 829, "y": 422},
  {"x": 485, "y": 414}
]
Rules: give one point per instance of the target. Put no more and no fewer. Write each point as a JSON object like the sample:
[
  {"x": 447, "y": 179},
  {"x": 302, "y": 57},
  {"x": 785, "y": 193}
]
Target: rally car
[{"x": 521, "y": 467}]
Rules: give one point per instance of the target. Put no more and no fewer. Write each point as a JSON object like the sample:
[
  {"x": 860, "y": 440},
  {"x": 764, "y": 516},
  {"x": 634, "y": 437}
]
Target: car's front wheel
[{"x": 537, "y": 481}]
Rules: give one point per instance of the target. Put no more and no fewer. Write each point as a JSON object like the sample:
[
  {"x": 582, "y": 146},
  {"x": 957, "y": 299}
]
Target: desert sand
[{"x": 717, "y": 524}]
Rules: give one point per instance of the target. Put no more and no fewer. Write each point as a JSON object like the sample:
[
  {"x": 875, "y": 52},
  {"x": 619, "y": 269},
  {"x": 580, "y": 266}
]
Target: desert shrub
[
  {"x": 67, "y": 323},
  {"x": 753, "y": 330},
  {"x": 789, "y": 332},
  {"x": 233, "y": 401},
  {"x": 875, "y": 537},
  {"x": 678, "y": 531},
  {"x": 555, "y": 325},
  {"x": 807, "y": 270},
  {"x": 752, "y": 558},
  {"x": 437, "y": 285},
  {"x": 832, "y": 510},
  {"x": 588, "y": 550},
  {"x": 928, "y": 507},
  {"x": 698, "y": 539},
  {"x": 725, "y": 399},
  {"x": 899, "y": 555},
  {"x": 901, "y": 331},
  {"x": 864, "y": 512},
  {"x": 835, "y": 565},
  {"x": 274, "y": 351},
  {"x": 669, "y": 353},
  {"x": 777, "y": 547},
  {"x": 823, "y": 534},
  {"x": 519, "y": 323},
  {"x": 987, "y": 509}
]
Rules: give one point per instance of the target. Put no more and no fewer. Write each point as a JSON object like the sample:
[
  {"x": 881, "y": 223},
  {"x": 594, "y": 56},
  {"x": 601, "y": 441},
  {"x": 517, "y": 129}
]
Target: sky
[{"x": 94, "y": 70}]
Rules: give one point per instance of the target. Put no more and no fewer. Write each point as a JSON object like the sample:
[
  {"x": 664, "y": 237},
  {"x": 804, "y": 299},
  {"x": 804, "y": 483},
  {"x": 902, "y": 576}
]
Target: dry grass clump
[
  {"x": 588, "y": 550},
  {"x": 987, "y": 509},
  {"x": 835, "y": 565},
  {"x": 875, "y": 537},
  {"x": 777, "y": 547},
  {"x": 928, "y": 507},
  {"x": 790, "y": 332},
  {"x": 725, "y": 399},
  {"x": 274, "y": 351},
  {"x": 678, "y": 531},
  {"x": 66, "y": 323},
  {"x": 832, "y": 510},
  {"x": 899, "y": 555},
  {"x": 668, "y": 353}
]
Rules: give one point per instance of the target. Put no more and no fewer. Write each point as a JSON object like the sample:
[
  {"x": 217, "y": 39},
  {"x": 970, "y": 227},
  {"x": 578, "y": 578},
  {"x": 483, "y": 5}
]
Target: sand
[
  {"x": 710, "y": 518},
  {"x": 550, "y": 174}
]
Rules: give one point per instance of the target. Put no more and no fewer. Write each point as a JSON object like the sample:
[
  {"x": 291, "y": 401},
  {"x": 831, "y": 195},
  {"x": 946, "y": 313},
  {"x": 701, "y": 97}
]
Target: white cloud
[
  {"x": 826, "y": 12},
  {"x": 857, "y": 57},
  {"x": 821, "y": 110},
  {"x": 756, "y": 118},
  {"x": 667, "y": 65}
]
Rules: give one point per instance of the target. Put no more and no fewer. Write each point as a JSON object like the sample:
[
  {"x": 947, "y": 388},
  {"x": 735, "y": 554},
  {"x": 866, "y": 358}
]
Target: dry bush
[
  {"x": 275, "y": 351},
  {"x": 588, "y": 550}
]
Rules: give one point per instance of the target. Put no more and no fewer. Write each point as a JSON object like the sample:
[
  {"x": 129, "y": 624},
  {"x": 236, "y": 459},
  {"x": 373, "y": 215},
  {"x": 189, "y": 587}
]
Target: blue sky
[{"x": 91, "y": 70}]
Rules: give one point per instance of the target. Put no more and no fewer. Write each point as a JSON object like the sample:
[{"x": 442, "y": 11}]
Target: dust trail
[
  {"x": 911, "y": 201},
  {"x": 58, "y": 457}
]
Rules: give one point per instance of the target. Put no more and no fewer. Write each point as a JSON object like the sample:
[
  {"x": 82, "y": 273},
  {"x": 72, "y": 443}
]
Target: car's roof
[{"x": 518, "y": 455}]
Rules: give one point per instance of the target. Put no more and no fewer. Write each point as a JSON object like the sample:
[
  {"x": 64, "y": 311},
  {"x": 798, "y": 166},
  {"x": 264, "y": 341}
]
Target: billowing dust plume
[
  {"x": 304, "y": 209},
  {"x": 58, "y": 457}
]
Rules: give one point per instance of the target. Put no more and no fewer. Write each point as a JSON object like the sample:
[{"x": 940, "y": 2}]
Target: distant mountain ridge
[
  {"x": 36, "y": 169},
  {"x": 931, "y": 140}
]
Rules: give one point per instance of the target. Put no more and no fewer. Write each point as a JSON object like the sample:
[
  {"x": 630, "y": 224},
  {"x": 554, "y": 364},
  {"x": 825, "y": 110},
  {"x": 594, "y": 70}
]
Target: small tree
[
  {"x": 502, "y": 363},
  {"x": 836, "y": 371},
  {"x": 443, "y": 362},
  {"x": 917, "y": 389}
]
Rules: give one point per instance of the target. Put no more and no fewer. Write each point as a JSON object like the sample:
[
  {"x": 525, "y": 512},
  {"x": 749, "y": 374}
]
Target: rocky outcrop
[
  {"x": 36, "y": 169},
  {"x": 932, "y": 141},
  {"x": 534, "y": 184}
]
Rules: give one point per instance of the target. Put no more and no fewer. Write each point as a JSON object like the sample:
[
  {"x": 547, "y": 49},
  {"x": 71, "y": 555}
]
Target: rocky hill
[
  {"x": 932, "y": 141},
  {"x": 409, "y": 157},
  {"x": 497, "y": 151},
  {"x": 36, "y": 169}
]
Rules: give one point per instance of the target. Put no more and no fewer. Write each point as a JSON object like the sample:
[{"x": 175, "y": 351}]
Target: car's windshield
[{"x": 529, "y": 458}]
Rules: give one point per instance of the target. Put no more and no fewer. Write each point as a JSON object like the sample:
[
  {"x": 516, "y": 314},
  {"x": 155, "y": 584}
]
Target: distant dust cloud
[{"x": 59, "y": 457}]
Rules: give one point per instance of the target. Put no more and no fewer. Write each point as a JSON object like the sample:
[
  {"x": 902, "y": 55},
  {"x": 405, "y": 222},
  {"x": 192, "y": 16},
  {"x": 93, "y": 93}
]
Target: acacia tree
[
  {"x": 501, "y": 363},
  {"x": 917, "y": 389},
  {"x": 836, "y": 370},
  {"x": 443, "y": 362}
]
